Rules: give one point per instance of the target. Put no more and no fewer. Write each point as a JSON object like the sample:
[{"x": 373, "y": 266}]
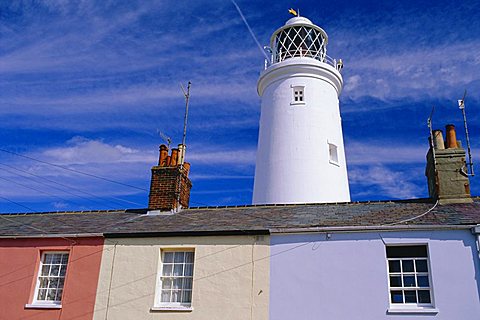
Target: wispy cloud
[
  {"x": 382, "y": 153},
  {"x": 372, "y": 181}
]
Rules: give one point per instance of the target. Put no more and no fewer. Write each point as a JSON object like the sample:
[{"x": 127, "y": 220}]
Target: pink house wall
[{"x": 19, "y": 261}]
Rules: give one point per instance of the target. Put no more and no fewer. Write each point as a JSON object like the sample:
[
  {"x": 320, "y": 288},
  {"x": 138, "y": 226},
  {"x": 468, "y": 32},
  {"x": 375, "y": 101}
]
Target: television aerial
[{"x": 461, "y": 106}]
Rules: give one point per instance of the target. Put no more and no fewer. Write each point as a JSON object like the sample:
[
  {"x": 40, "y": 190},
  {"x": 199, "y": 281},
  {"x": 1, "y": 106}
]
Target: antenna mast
[
  {"x": 187, "y": 99},
  {"x": 432, "y": 146},
  {"x": 461, "y": 105},
  {"x": 182, "y": 146}
]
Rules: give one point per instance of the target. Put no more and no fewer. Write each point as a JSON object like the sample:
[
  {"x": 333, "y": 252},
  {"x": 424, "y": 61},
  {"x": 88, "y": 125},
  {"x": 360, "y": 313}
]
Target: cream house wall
[{"x": 230, "y": 281}]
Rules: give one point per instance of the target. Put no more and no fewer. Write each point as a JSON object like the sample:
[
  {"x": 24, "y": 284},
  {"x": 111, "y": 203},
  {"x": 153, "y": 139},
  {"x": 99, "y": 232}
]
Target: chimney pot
[
  {"x": 163, "y": 156},
  {"x": 451, "y": 136},
  {"x": 174, "y": 158},
  {"x": 438, "y": 142}
]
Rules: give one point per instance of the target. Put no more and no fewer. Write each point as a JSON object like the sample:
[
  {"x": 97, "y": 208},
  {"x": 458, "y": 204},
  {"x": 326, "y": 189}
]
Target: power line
[
  {"x": 18, "y": 204},
  {"x": 73, "y": 170},
  {"x": 70, "y": 187},
  {"x": 41, "y": 191},
  {"x": 71, "y": 193}
]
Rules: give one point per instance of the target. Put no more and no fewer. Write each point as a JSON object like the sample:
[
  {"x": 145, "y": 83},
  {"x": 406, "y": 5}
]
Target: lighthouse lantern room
[{"x": 300, "y": 155}]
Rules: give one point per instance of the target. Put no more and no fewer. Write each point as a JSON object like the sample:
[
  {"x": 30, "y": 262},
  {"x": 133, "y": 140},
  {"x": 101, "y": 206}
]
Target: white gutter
[{"x": 373, "y": 228}]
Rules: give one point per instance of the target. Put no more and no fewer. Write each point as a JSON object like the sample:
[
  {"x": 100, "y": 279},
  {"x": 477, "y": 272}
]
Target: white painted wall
[{"x": 292, "y": 164}]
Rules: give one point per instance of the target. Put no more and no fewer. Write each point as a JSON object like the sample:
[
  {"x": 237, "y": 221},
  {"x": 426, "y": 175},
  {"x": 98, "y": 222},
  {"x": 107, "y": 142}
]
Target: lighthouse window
[
  {"x": 298, "y": 95},
  {"x": 332, "y": 150}
]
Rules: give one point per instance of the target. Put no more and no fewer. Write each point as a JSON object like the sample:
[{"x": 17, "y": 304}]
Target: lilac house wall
[{"x": 345, "y": 277}]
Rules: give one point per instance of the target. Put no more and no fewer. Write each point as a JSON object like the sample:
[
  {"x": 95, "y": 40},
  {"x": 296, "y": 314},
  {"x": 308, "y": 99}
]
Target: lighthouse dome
[{"x": 298, "y": 20}]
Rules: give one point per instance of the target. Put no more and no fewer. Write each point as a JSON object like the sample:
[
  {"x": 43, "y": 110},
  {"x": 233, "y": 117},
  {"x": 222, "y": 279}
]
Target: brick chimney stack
[
  {"x": 170, "y": 185},
  {"x": 446, "y": 169}
]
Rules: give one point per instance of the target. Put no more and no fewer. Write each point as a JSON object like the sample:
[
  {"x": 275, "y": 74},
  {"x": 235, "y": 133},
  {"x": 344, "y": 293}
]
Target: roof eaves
[
  {"x": 185, "y": 233},
  {"x": 405, "y": 227}
]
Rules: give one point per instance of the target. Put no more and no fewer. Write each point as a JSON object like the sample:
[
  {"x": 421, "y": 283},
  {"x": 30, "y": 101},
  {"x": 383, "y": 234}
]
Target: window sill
[
  {"x": 412, "y": 310},
  {"x": 43, "y": 306},
  {"x": 334, "y": 163},
  {"x": 171, "y": 308}
]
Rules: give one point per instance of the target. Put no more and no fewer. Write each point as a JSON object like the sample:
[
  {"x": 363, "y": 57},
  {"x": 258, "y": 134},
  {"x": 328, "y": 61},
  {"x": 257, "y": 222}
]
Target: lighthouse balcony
[{"x": 303, "y": 54}]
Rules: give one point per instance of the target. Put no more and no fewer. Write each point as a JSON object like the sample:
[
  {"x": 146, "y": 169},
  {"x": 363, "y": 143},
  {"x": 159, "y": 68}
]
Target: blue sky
[{"x": 88, "y": 85}]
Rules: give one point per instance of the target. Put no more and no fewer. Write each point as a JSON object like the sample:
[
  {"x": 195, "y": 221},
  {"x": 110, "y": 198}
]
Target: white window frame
[
  {"x": 298, "y": 94},
  {"x": 333, "y": 154},
  {"x": 160, "y": 305},
  {"x": 410, "y": 306},
  {"x": 52, "y": 303}
]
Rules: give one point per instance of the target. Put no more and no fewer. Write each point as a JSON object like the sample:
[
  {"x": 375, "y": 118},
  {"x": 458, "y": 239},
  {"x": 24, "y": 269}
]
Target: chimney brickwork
[
  {"x": 170, "y": 185},
  {"x": 446, "y": 170}
]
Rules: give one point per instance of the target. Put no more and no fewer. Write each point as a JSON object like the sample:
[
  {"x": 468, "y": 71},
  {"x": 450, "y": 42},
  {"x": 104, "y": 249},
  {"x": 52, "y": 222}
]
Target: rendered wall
[
  {"x": 19, "y": 261},
  {"x": 230, "y": 279},
  {"x": 346, "y": 277}
]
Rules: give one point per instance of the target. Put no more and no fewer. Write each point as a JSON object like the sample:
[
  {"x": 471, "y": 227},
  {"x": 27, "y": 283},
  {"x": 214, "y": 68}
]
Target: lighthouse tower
[{"x": 300, "y": 156}]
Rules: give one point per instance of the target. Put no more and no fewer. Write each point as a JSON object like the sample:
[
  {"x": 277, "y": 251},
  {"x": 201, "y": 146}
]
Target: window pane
[
  {"x": 167, "y": 269},
  {"x": 189, "y": 270},
  {"x": 187, "y": 283},
  {"x": 166, "y": 295},
  {"x": 406, "y": 251},
  {"x": 189, "y": 257},
  {"x": 407, "y": 265},
  {"x": 53, "y": 283},
  {"x": 45, "y": 270},
  {"x": 410, "y": 296},
  {"x": 423, "y": 281},
  {"x": 394, "y": 266},
  {"x": 176, "y": 296},
  {"x": 395, "y": 281},
  {"x": 56, "y": 258},
  {"x": 177, "y": 283},
  {"x": 63, "y": 270},
  {"x": 51, "y": 294},
  {"x": 43, "y": 283},
  {"x": 424, "y": 296},
  {"x": 42, "y": 293},
  {"x": 178, "y": 270},
  {"x": 421, "y": 265},
  {"x": 409, "y": 281},
  {"x": 48, "y": 258},
  {"x": 167, "y": 284},
  {"x": 59, "y": 295},
  {"x": 396, "y": 296},
  {"x": 168, "y": 257},
  {"x": 54, "y": 270},
  {"x": 179, "y": 257},
  {"x": 187, "y": 296}
]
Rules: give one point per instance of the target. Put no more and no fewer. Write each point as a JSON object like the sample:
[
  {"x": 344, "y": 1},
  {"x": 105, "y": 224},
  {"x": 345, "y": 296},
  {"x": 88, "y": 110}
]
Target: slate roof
[{"x": 243, "y": 220}]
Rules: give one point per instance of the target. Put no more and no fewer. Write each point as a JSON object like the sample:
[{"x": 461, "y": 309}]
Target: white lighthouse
[{"x": 300, "y": 156}]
